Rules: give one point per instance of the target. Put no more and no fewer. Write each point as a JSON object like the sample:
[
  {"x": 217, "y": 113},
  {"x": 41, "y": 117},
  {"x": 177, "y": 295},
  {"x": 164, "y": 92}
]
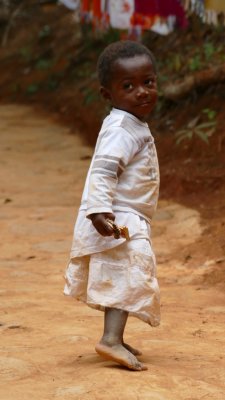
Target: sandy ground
[{"x": 47, "y": 340}]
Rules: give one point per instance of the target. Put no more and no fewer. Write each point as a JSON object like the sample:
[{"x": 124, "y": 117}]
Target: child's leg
[
  {"x": 111, "y": 316},
  {"x": 111, "y": 345}
]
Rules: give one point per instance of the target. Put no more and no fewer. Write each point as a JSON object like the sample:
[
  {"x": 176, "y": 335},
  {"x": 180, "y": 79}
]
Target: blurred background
[{"x": 48, "y": 53}]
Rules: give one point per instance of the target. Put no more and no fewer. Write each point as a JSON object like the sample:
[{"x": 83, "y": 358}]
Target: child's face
[{"x": 133, "y": 86}]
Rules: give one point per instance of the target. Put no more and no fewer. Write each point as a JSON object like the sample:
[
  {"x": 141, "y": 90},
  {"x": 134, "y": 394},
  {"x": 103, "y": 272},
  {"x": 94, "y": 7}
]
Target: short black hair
[{"x": 116, "y": 50}]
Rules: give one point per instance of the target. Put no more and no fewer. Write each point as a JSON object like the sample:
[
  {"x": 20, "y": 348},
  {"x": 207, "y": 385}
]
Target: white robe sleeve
[{"x": 116, "y": 149}]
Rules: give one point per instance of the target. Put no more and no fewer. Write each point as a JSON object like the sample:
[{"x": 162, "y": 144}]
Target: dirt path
[{"x": 47, "y": 340}]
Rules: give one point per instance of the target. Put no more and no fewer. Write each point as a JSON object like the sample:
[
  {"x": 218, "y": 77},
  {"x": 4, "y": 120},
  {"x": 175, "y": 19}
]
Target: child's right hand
[{"x": 100, "y": 223}]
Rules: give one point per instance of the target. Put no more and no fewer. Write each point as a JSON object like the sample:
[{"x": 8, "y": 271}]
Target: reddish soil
[{"x": 47, "y": 340}]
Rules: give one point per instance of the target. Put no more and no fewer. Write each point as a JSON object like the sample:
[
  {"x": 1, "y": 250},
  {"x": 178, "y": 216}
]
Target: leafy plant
[
  {"x": 84, "y": 71},
  {"x": 90, "y": 95},
  {"x": 177, "y": 63},
  {"x": 43, "y": 63},
  {"x": 211, "y": 114},
  {"x": 203, "y": 130},
  {"x": 174, "y": 63},
  {"x": 32, "y": 88},
  {"x": 209, "y": 50},
  {"x": 163, "y": 78},
  {"x": 195, "y": 63},
  {"x": 26, "y": 53},
  {"x": 44, "y": 32},
  {"x": 52, "y": 83}
]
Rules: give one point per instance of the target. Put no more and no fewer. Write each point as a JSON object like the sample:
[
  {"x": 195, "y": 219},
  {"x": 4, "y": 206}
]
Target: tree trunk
[{"x": 203, "y": 78}]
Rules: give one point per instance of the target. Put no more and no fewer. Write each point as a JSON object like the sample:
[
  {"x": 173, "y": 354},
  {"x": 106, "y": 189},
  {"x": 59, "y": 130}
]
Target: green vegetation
[
  {"x": 43, "y": 63},
  {"x": 32, "y": 88},
  {"x": 45, "y": 32},
  {"x": 203, "y": 130},
  {"x": 195, "y": 63},
  {"x": 26, "y": 53},
  {"x": 90, "y": 95}
]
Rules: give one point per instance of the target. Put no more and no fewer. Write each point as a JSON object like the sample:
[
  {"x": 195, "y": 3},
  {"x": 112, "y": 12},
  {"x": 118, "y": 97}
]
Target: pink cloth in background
[
  {"x": 162, "y": 8},
  {"x": 173, "y": 7},
  {"x": 146, "y": 7}
]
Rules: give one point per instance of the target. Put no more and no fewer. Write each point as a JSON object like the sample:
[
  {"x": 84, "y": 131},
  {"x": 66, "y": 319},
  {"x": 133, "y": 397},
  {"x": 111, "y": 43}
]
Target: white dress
[{"x": 123, "y": 179}]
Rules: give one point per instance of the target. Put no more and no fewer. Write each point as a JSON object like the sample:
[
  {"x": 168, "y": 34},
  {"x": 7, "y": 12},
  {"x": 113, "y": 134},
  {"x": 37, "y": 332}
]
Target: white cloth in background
[
  {"x": 164, "y": 27},
  {"x": 120, "y": 13},
  {"x": 71, "y": 4}
]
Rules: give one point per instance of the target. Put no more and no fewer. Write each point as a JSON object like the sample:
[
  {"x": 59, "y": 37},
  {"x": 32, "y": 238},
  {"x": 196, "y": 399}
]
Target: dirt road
[{"x": 47, "y": 340}]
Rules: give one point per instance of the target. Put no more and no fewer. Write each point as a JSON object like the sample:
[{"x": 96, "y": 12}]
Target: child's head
[
  {"x": 127, "y": 75},
  {"x": 119, "y": 50}
]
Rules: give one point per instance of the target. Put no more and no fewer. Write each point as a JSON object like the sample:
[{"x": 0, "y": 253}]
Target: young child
[{"x": 116, "y": 275}]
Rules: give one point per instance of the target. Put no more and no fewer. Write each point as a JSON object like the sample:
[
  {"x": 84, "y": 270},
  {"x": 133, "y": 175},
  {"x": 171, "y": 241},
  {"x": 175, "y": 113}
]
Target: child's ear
[{"x": 105, "y": 93}]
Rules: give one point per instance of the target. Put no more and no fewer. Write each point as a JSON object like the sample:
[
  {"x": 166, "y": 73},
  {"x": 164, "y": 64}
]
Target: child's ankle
[{"x": 110, "y": 341}]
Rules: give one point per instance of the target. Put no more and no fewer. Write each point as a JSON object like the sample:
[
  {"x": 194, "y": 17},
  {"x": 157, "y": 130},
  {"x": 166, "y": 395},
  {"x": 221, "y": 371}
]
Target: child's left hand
[{"x": 100, "y": 223}]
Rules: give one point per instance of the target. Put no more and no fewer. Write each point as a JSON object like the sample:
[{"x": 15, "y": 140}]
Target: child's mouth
[{"x": 145, "y": 104}]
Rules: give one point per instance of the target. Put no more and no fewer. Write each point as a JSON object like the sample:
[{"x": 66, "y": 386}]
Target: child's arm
[
  {"x": 100, "y": 223},
  {"x": 115, "y": 150}
]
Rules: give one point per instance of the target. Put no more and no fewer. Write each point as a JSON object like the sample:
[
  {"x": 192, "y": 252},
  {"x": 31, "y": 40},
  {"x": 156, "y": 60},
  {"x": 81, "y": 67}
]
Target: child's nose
[{"x": 142, "y": 92}]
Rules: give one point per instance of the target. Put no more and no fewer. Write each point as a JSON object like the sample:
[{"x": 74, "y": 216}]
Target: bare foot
[
  {"x": 121, "y": 355},
  {"x": 132, "y": 350}
]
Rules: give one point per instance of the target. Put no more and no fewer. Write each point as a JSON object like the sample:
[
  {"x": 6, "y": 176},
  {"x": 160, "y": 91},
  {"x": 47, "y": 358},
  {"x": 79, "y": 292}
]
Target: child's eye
[
  {"x": 127, "y": 86},
  {"x": 149, "y": 82}
]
